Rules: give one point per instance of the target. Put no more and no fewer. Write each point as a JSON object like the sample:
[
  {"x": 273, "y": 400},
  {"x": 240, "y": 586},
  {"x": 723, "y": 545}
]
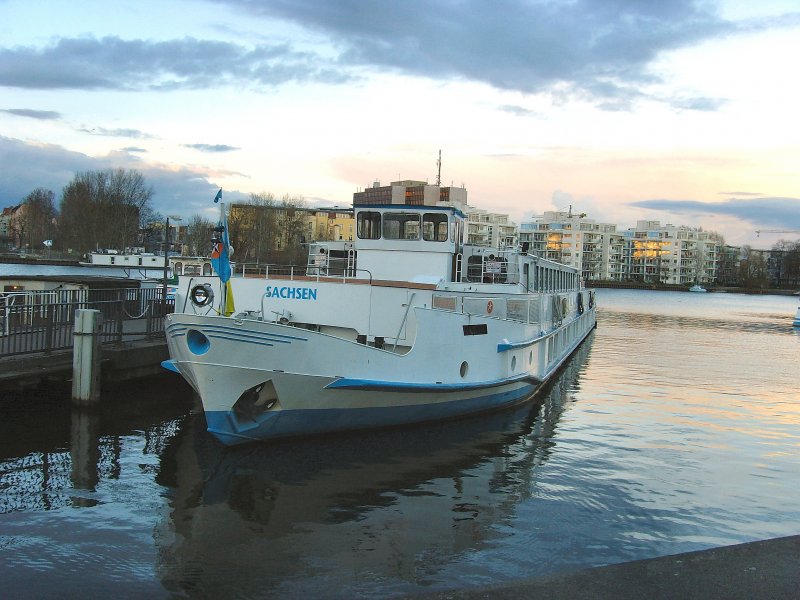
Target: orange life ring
[{"x": 489, "y": 307}]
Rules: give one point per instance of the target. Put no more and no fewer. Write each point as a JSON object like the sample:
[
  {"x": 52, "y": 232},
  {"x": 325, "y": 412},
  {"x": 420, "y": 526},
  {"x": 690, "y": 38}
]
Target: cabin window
[
  {"x": 206, "y": 269},
  {"x": 369, "y": 225},
  {"x": 434, "y": 227},
  {"x": 475, "y": 268},
  {"x": 401, "y": 226},
  {"x": 178, "y": 268}
]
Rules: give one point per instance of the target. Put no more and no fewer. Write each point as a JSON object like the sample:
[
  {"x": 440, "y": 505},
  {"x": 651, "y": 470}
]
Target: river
[{"x": 675, "y": 427}]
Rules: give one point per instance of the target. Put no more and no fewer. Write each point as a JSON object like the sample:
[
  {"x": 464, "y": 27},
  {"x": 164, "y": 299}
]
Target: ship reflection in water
[{"x": 386, "y": 510}]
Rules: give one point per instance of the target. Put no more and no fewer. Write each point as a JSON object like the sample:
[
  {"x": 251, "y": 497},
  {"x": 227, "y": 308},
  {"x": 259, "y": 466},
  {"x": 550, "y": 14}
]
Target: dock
[
  {"x": 768, "y": 569},
  {"x": 38, "y": 330},
  {"x": 119, "y": 362}
]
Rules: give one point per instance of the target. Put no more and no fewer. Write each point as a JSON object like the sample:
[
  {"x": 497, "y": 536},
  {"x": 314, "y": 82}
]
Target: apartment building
[
  {"x": 671, "y": 254},
  {"x": 597, "y": 249},
  {"x": 494, "y": 230}
]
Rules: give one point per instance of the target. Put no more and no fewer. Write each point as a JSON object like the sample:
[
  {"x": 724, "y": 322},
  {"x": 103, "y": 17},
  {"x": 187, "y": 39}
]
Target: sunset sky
[{"x": 672, "y": 110}]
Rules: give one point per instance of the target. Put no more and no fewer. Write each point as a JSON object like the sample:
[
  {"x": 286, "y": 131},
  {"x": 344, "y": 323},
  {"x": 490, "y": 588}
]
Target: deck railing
[{"x": 33, "y": 322}]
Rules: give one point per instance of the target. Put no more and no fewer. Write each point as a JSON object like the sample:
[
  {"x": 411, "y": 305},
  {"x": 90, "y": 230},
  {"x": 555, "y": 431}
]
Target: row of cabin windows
[
  {"x": 546, "y": 279},
  {"x": 491, "y": 269},
  {"x": 402, "y": 226}
]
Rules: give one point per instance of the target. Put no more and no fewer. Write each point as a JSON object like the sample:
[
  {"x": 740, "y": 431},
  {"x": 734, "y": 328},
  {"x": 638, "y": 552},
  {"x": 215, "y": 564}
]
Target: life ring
[{"x": 489, "y": 307}]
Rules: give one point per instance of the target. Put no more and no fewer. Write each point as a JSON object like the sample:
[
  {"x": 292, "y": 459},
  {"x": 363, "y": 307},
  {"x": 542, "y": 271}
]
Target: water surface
[{"x": 676, "y": 427}]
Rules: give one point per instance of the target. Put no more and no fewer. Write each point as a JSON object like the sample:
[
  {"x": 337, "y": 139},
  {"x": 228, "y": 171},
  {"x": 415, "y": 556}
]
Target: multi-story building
[
  {"x": 494, "y": 230},
  {"x": 6, "y": 229},
  {"x": 594, "y": 248},
  {"x": 647, "y": 252},
  {"x": 671, "y": 254},
  {"x": 12, "y": 226},
  {"x": 410, "y": 191},
  {"x": 327, "y": 224}
]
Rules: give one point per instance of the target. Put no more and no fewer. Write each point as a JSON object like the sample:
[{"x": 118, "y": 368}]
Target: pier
[
  {"x": 37, "y": 334},
  {"x": 763, "y": 569}
]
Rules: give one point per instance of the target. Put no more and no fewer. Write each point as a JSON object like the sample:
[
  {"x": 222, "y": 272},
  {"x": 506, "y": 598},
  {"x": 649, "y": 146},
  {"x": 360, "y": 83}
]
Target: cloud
[
  {"x": 760, "y": 212},
  {"x": 42, "y": 115},
  {"x": 126, "y": 133},
  {"x": 602, "y": 50},
  {"x": 111, "y": 63},
  {"x": 585, "y": 49},
  {"x": 185, "y": 191},
  {"x": 211, "y": 147},
  {"x": 519, "y": 111},
  {"x": 700, "y": 104}
]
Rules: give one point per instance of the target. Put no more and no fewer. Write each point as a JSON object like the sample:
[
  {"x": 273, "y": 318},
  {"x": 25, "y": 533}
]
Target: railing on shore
[{"x": 44, "y": 321}]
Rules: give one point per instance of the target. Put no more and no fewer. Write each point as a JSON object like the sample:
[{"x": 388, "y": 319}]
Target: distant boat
[
  {"x": 796, "y": 322},
  {"x": 698, "y": 288}
]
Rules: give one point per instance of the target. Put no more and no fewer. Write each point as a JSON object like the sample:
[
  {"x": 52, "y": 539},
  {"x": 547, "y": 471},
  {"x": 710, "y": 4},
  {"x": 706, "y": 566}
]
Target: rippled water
[{"x": 675, "y": 427}]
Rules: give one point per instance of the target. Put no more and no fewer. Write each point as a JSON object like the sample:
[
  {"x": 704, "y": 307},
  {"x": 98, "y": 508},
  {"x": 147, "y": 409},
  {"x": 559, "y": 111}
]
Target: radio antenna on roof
[{"x": 439, "y": 169}]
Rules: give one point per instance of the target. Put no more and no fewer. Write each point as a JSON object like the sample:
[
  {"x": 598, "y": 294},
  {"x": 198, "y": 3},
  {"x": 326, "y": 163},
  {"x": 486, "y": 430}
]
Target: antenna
[{"x": 439, "y": 167}]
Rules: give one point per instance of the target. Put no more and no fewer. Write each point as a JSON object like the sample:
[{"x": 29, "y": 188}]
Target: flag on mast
[{"x": 220, "y": 257}]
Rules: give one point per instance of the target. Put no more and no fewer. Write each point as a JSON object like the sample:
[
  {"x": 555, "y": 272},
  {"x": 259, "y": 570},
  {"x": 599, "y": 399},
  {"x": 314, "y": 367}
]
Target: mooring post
[{"x": 86, "y": 357}]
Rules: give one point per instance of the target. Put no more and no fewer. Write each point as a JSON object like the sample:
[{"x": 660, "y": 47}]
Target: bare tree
[
  {"x": 39, "y": 217},
  {"x": 104, "y": 209},
  {"x": 753, "y": 268},
  {"x": 198, "y": 235}
]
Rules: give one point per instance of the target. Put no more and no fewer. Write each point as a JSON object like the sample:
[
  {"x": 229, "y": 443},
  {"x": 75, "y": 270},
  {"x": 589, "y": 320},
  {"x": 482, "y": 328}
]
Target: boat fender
[
  {"x": 564, "y": 307},
  {"x": 489, "y": 307},
  {"x": 580, "y": 303},
  {"x": 591, "y": 299}
]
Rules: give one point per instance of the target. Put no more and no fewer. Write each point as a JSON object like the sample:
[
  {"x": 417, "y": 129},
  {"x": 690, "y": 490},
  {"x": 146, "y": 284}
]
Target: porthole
[{"x": 464, "y": 369}]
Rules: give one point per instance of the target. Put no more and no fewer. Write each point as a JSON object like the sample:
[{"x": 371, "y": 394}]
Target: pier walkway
[
  {"x": 37, "y": 329},
  {"x": 767, "y": 569}
]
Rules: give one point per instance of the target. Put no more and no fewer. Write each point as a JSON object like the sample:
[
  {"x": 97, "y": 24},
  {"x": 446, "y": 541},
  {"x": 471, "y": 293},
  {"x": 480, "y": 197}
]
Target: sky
[{"x": 680, "y": 111}]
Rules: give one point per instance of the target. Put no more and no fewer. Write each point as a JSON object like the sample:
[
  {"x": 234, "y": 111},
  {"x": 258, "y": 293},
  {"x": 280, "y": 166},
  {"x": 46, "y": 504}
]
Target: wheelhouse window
[
  {"x": 401, "y": 226},
  {"x": 369, "y": 225},
  {"x": 434, "y": 227}
]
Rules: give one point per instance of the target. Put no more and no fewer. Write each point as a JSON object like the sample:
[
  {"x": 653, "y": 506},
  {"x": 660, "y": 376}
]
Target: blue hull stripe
[
  {"x": 287, "y": 423},
  {"x": 169, "y": 365},
  {"x": 403, "y": 386},
  {"x": 237, "y": 333}
]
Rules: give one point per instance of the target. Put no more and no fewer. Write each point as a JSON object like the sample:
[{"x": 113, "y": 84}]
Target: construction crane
[{"x": 760, "y": 231}]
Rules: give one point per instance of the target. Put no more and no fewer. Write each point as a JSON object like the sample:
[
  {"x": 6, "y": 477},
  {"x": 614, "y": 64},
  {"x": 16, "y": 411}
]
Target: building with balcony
[
  {"x": 671, "y": 254},
  {"x": 493, "y": 230},
  {"x": 597, "y": 249}
]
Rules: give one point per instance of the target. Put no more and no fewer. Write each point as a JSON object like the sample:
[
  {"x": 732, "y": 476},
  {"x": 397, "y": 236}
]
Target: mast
[{"x": 439, "y": 169}]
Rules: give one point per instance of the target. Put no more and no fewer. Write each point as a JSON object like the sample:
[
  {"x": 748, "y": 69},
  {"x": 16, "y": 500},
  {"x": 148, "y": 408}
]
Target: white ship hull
[{"x": 304, "y": 382}]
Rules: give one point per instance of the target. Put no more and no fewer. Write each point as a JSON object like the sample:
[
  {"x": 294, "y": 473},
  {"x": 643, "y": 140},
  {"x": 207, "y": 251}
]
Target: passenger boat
[
  {"x": 796, "y": 322},
  {"x": 404, "y": 324},
  {"x": 698, "y": 288}
]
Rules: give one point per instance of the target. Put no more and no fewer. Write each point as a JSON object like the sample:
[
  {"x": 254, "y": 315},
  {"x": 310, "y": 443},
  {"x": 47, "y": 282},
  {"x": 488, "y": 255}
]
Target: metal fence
[{"x": 45, "y": 321}]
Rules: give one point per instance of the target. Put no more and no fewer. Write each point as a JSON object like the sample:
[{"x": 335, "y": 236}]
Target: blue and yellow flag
[{"x": 220, "y": 258}]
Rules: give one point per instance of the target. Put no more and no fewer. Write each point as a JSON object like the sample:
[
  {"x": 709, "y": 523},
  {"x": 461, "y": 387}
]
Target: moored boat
[{"x": 404, "y": 324}]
